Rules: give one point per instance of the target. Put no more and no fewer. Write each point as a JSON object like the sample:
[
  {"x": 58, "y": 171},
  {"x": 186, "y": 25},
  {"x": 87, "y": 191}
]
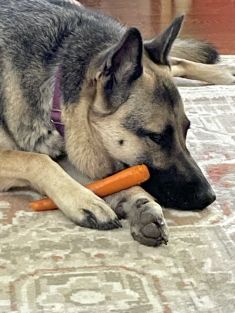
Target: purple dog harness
[{"x": 56, "y": 109}]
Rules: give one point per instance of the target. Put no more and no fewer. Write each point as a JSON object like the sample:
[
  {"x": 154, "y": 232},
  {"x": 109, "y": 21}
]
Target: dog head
[{"x": 140, "y": 117}]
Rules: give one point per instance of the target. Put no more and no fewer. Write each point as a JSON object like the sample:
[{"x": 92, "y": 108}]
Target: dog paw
[
  {"x": 91, "y": 220},
  {"x": 88, "y": 210},
  {"x": 147, "y": 223},
  {"x": 225, "y": 75}
]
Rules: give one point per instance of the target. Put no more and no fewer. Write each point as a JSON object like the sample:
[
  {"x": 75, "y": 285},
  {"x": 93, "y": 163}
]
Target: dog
[{"x": 77, "y": 83}]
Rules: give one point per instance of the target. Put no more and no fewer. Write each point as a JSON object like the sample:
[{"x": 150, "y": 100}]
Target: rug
[{"x": 50, "y": 265}]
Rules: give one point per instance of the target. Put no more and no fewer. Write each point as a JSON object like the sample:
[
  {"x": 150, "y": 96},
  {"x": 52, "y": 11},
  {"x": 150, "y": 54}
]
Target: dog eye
[{"x": 156, "y": 138}]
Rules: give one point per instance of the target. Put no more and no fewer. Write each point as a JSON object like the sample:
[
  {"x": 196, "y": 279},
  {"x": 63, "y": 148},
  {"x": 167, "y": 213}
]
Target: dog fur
[{"x": 120, "y": 107}]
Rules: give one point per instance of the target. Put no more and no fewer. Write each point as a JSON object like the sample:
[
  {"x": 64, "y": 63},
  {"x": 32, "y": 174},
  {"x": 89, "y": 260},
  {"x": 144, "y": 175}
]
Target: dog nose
[
  {"x": 204, "y": 199},
  {"x": 174, "y": 190}
]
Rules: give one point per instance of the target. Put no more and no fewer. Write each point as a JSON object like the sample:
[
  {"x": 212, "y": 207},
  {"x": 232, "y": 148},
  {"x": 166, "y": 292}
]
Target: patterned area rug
[{"x": 49, "y": 265}]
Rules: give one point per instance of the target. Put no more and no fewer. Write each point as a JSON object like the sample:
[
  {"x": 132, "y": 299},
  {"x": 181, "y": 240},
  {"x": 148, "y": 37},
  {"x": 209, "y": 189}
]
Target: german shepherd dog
[{"x": 119, "y": 107}]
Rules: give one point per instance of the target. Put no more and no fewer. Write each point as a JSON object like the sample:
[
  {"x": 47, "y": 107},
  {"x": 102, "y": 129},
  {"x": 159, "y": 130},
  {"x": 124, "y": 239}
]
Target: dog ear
[
  {"x": 124, "y": 61},
  {"x": 159, "y": 47},
  {"x": 121, "y": 66}
]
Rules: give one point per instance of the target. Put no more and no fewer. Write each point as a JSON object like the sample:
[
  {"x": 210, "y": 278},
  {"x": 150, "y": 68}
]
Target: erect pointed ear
[
  {"x": 124, "y": 60},
  {"x": 159, "y": 47},
  {"x": 121, "y": 65}
]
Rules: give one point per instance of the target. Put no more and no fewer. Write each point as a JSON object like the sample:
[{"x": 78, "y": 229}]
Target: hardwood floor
[{"x": 211, "y": 20}]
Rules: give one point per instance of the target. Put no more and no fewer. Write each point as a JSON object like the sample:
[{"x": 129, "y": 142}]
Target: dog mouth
[
  {"x": 176, "y": 191},
  {"x": 196, "y": 204}
]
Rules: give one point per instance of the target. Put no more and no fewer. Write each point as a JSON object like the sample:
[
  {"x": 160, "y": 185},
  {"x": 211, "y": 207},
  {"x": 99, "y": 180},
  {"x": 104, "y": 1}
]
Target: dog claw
[
  {"x": 109, "y": 225},
  {"x": 165, "y": 241},
  {"x": 90, "y": 219},
  {"x": 118, "y": 223},
  {"x": 160, "y": 221}
]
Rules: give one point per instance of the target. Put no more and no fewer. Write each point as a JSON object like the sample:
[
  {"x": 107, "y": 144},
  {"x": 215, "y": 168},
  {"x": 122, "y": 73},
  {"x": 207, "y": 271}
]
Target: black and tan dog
[{"x": 119, "y": 107}]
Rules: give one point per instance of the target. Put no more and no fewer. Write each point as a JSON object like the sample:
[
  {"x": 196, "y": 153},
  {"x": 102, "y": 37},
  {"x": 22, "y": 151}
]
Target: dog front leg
[
  {"x": 217, "y": 74},
  {"x": 39, "y": 171},
  {"x": 144, "y": 214}
]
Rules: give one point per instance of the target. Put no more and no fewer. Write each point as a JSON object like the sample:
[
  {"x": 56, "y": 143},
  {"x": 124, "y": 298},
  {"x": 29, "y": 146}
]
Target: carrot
[{"x": 125, "y": 179}]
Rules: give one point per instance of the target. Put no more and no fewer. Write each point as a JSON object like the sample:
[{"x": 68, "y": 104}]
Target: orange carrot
[{"x": 125, "y": 179}]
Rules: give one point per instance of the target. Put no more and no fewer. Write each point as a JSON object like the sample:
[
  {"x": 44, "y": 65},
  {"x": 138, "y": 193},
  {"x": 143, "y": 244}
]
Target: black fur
[
  {"x": 195, "y": 50},
  {"x": 174, "y": 191},
  {"x": 166, "y": 93},
  {"x": 159, "y": 48}
]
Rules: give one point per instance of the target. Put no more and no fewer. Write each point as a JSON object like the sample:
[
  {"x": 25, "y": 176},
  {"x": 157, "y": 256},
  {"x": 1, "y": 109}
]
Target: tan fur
[
  {"x": 211, "y": 73},
  {"x": 5, "y": 141},
  {"x": 91, "y": 152},
  {"x": 155, "y": 120},
  {"x": 91, "y": 158},
  {"x": 13, "y": 95},
  {"x": 95, "y": 124},
  {"x": 8, "y": 183},
  {"x": 193, "y": 50},
  {"x": 40, "y": 172}
]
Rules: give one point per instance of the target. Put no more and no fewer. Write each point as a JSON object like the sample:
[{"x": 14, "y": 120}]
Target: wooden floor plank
[{"x": 211, "y": 20}]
